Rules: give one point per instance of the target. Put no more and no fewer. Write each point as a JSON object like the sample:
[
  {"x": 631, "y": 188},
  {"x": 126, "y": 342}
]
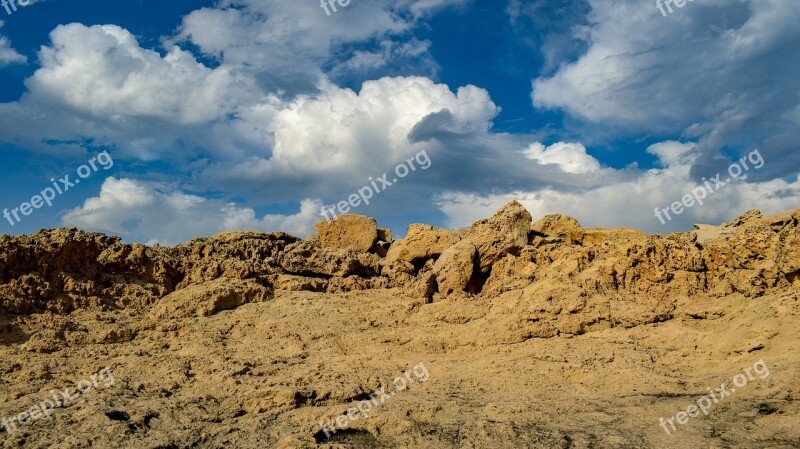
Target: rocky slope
[{"x": 535, "y": 334}]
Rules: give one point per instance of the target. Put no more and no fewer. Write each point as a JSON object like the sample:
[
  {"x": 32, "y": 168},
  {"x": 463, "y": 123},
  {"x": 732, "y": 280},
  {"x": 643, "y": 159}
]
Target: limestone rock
[
  {"x": 239, "y": 255},
  {"x": 505, "y": 233},
  {"x": 422, "y": 243},
  {"x": 351, "y": 232},
  {"x": 308, "y": 258},
  {"x": 746, "y": 217},
  {"x": 560, "y": 226},
  {"x": 511, "y": 273},
  {"x": 385, "y": 235},
  {"x": 455, "y": 267},
  {"x": 357, "y": 283},
  {"x": 293, "y": 283},
  {"x": 422, "y": 287},
  {"x": 399, "y": 271}
]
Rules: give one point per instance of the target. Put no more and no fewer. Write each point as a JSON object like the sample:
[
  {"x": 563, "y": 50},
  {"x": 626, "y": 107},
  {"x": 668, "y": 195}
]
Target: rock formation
[
  {"x": 61, "y": 270},
  {"x": 538, "y": 334}
]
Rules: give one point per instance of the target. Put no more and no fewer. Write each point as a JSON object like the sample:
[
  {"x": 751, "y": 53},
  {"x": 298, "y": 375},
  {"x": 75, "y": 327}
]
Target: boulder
[
  {"x": 422, "y": 243},
  {"x": 505, "y": 233},
  {"x": 307, "y": 258},
  {"x": 455, "y": 267},
  {"x": 351, "y": 232},
  {"x": 559, "y": 226},
  {"x": 511, "y": 273}
]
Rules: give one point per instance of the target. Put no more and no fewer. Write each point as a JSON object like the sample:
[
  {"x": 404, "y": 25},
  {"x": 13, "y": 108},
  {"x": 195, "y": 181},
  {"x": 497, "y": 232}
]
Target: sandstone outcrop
[
  {"x": 309, "y": 258},
  {"x": 505, "y": 233},
  {"x": 349, "y": 232},
  {"x": 558, "y": 226},
  {"x": 455, "y": 268},
  {"x": 64, "y": 270},
  {"x": 422, "y": 243},
  {"x": 209, "y": 298}
]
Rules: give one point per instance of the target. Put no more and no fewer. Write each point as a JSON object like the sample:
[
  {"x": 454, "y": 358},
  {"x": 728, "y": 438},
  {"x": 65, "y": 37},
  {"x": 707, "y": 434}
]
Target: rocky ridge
[
  {"x": 538, "y": 334},
  {"x": 621, "y": 276}
]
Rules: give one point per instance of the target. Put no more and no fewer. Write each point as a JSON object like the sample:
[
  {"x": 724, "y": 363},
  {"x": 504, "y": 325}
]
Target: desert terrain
[{"x": 517, "y": 332}]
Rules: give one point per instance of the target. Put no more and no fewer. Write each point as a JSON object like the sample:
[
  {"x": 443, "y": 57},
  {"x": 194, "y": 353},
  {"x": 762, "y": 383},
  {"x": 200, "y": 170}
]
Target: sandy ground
[{"x": 266, "y": 374}]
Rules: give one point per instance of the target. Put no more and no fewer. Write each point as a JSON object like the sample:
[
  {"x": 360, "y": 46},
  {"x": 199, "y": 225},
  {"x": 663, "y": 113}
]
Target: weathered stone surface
[
  {"x": 357, "y": 283},
  {"x": 422, "y": 242},
  {"x": 560, "y": 226},
  {"x": 238, "y": 255},
  {"x": 293, "y": 283},
  {"x": 209, "y": 298},
  {"x": 749, "y": 216},
  {"x": 351, "y": 232},
  {"x": 455, "y": 267},
  {"x": 399, "y": 271},
  {"x": 308, "y": 258},
  {"x": 61, "y": 271},
  {"x": 511, "y": 273},
  {"x": 505, "y": 233},
  {"x": 422, "y": 287},
  {"x": 385, "y": 235}
]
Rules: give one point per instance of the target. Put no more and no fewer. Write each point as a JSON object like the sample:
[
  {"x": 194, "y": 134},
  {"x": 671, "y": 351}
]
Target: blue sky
[{"x": 253, "y": 114}]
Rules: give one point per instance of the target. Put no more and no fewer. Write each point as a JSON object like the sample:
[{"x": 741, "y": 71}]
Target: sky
[{"x": 162, "y": 121}]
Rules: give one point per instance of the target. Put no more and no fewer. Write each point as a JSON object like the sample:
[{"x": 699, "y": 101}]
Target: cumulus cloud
[
  {"x": 285, "y": 44},
  {"x": 328, "y": 144},
  {"x": 632, "y": 202},
  {"x": 570, "y": 157},
  {"x": 720, "y": 72},
  {"x": 102, "y": 71},
  {"x": 141, "y": 211},
  {"x": 339, "y": 134},
  {"x": 7, "y": 54}
]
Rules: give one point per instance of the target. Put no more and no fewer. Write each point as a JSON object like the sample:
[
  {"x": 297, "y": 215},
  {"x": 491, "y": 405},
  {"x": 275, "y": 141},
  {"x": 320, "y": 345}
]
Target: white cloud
[
  {"x": 340, "y": 135},
  {"x": 102, "y": 71},
  {"x": 570, "y": 157},
  {"x": 632, "y": 203},
  {"x": 141, "y": 211},
  {"x": 7, "y": 54},
  {"x": 723, "y": 72}
]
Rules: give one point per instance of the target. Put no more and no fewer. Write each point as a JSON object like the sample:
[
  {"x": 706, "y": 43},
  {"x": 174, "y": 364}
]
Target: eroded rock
[
  {"x": 307, "y": 258},
  {"x": 455, "y": 268},
  {"x": 422, "y": 243},
  {"x": 350, "y": 232},
  {"x": 209, "y": 298},
  {"x": 505, "y": 233}
]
